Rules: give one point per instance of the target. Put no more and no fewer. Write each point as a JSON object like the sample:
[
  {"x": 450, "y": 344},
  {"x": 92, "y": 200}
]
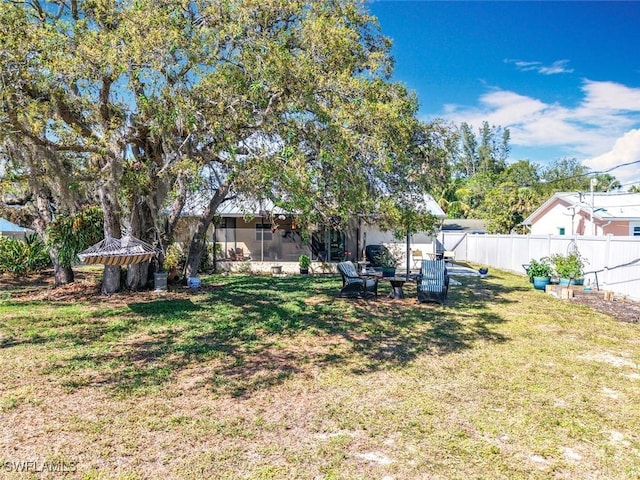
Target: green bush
[
  {"x": 304, "y": 262},
  {"x": 23, "y": 257},
  {"x": 69, "y": 235},
  {"x": 207, "y": 259},
  {"x": 568, "y": 266},
  {"x": 174, "y": 257},
  {"x": 539, "y": 268}
]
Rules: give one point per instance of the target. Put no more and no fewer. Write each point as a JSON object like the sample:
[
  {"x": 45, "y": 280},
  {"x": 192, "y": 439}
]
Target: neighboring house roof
[
  {"x": 468, "y": 225},
  {"x": 7, "y": 227},
  {"x": 606, "y": 206}
]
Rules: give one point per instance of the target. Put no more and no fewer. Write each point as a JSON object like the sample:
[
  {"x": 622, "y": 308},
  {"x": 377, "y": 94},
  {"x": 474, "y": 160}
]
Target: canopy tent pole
[{"x": 408, "y": 254}]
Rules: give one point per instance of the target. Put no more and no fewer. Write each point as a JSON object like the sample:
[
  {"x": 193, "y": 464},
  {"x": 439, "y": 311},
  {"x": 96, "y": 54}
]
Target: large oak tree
[{"x": 279, "y": 99}]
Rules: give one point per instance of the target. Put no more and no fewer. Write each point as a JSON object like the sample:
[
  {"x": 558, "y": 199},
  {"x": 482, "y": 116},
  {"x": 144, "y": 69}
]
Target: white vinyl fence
[{"x": 613, "y": 263}]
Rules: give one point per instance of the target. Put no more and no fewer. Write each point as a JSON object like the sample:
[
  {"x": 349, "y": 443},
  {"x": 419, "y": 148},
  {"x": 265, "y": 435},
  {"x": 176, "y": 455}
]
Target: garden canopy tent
[
  {"x": 9, "y": 229},
  {"x": 123, "y": 251}
]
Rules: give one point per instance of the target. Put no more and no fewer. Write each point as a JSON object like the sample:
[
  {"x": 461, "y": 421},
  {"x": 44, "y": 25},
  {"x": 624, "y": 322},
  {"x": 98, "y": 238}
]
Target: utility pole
[{"x": 592, "y": 184}]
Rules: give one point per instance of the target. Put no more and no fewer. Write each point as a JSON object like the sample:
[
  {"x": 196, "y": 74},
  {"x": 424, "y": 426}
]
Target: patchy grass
[{"x": 276, "y": 378}]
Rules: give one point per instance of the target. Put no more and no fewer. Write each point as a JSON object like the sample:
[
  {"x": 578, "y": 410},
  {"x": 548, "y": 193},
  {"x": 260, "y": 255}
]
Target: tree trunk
[
  {"x": 62, "y": 275},
  {"x": 198, "y": 241},
  {"x": 112, "y": 228},
  {"x": 174, "y": 215},
  {"x": 110, "y": 280},
  {"x": 141, "y": 227},
  {"x": 138, "y": 276}
]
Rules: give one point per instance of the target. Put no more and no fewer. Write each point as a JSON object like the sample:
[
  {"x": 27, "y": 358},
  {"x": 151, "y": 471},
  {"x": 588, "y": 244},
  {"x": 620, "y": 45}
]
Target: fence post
[{"x": 607, "y": 260}]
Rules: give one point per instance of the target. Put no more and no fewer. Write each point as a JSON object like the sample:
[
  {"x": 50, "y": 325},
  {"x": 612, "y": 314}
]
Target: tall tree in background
[
  {"x": 467, "y": 163},
  {"x": 476, "y": 166},
  {"x": 565, "y": 175},
  {"x": 606, "y": 182},
  {"x": 515, "y": 194}
]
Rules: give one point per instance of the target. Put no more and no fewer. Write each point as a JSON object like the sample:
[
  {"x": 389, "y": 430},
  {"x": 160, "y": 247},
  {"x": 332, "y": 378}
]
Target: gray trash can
[{"x": 160, "y": 281}]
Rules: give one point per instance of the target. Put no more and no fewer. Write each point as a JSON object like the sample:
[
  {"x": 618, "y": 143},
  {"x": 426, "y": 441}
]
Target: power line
[
  {"x": 596, "y": 172},
  {"x": 619, "y": 166}
]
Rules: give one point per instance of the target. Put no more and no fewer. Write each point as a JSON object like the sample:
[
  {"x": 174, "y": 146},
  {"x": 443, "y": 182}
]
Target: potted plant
[
  {"x": 304, "y": 262},
  {"x": 539, "y": 273},
  {"x": 388, "y": 262},
  {"x": 171, "y": 262},
  {"x": 568, "y": 268}
]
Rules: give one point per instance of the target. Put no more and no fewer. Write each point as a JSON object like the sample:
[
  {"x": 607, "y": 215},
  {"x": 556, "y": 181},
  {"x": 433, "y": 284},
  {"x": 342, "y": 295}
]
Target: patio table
[{"x": 396, "y": 287}]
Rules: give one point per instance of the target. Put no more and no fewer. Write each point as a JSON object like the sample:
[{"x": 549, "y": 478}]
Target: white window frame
[{"x": 634, "y": 229}]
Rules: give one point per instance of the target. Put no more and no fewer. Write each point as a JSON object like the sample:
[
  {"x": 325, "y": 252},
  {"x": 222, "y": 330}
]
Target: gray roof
[
  {"x": 236, "y": 207},
  {"x": 469, "y": 225},
  {"x": 242, "y": 207}
]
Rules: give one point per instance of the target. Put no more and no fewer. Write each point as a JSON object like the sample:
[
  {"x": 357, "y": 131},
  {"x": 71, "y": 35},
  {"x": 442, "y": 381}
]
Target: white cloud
[
  {"x": 607, "y": 116},
  {"x": 559, "y": 66},
  {"x": 610, "y": 96},
  {"x": 556, "y": 67},
  {"x": 626, "y": 149}
]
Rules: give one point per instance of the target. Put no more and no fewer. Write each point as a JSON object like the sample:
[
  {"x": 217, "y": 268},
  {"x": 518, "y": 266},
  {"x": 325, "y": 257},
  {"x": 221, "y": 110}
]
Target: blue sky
[{"x": 564, "y": 77}]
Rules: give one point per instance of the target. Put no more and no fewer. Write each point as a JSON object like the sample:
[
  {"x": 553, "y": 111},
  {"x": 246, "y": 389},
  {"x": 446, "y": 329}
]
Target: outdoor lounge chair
[
  {"x": 354, "y": 285},
  {"x": 433, "y": 282}
]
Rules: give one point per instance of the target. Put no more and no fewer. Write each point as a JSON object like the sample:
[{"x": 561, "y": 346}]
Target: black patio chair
[{"x": 354, "y": 285}]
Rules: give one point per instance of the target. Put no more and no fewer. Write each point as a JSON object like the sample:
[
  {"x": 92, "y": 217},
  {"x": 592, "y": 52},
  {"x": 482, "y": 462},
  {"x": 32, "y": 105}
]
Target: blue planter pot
[
  {"x": 539, "y": 283},
  {"x": 571, "y": 281},
  {"x": 388, "y": 272}
]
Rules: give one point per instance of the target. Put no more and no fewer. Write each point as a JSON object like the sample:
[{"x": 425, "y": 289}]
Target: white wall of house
[
  {"x": 571, "y": 212},
  {"x": 562, "y": 220}
]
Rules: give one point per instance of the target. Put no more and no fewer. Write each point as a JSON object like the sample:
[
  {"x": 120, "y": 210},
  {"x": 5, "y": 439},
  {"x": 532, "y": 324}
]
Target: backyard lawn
[{"x": 263, "y": 377}]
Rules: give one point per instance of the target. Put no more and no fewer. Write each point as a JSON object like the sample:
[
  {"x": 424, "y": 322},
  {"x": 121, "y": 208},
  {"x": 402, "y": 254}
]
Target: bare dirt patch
[
  {"x": 86, "y": 289},
  {"x": 622, "y": 310}
]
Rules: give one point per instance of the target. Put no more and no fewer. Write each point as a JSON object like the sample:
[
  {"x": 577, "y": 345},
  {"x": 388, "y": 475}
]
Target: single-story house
[
  {"x": 9, "y": 229},
  {"x": 260, "y": 231},
  {"x": 570, "y": 213}
]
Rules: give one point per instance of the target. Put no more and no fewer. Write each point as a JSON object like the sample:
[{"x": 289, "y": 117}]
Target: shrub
[
  {"x": 69, "y": 235},
  {"x": 568, "y": 266},
  {"x": 23, "y": 257},
  {"x": 304, "y": 262},
  {"x": 539, "y": 268},
  {"x": 174, "y": 257}
]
